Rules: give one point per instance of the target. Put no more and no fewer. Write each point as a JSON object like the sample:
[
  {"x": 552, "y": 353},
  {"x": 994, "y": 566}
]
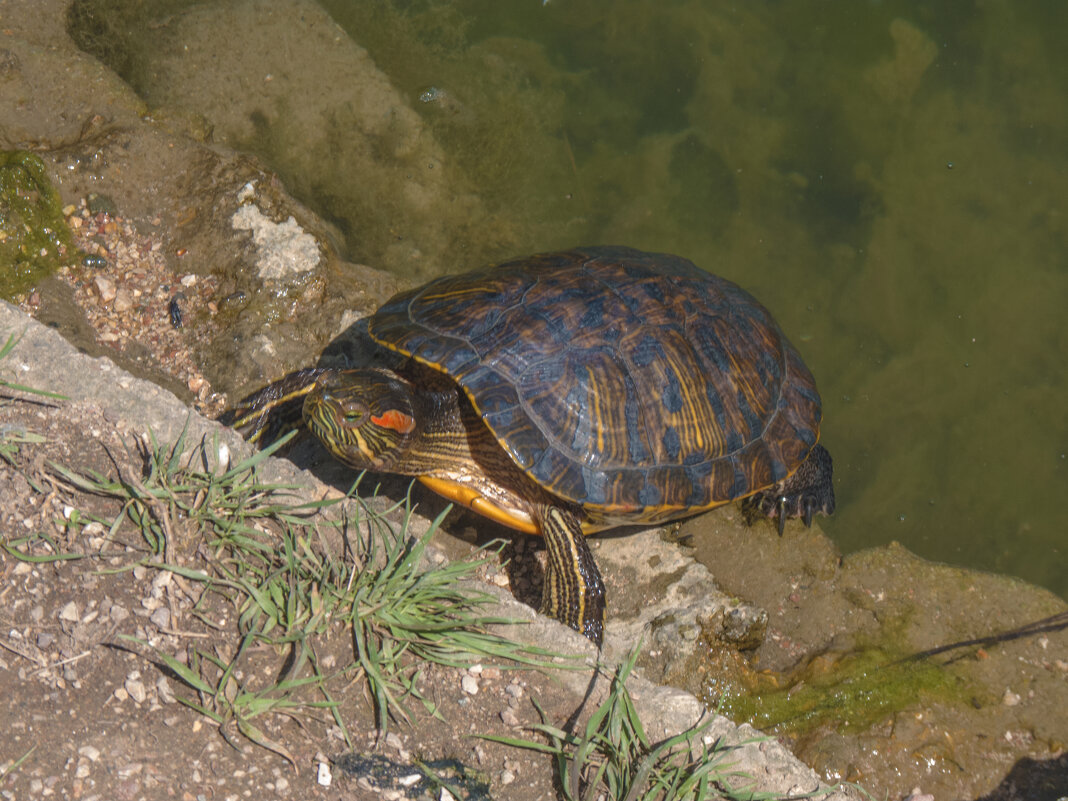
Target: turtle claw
[{"x": 808, "y": 492}]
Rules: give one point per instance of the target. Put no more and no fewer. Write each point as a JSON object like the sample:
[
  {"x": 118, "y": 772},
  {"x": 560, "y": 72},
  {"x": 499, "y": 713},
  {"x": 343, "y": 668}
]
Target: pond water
[{"x": 889, "y": 178}]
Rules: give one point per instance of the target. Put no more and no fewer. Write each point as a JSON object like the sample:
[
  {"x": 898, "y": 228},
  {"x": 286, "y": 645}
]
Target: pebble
[
  {"x": 323, "y": 775},
  {"x": 469, "y": 684},
  {"x": 1010, "y": 698},
  {"x": 105, "y": 287},
  {"x": 69, "y": 613},
  {"x": 135, "y": 687},
  {"x": 161, "y": 617},
  {"x": 509, "y": 718},
  {"x": 118, "y": 613},
  {"x": 163, "y": 691},
  {"x": 89, "y": 752},
  {"x": 507, "y": 777},
  {"x": 395, "y": 742},
  {"x": 123, "y": 300}
]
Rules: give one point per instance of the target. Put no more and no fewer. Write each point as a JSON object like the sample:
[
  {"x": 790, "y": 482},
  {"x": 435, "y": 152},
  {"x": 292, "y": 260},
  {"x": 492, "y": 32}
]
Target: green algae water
[
  {"x": 889, "y": 178},
  {"x": 852, "y": 693}
]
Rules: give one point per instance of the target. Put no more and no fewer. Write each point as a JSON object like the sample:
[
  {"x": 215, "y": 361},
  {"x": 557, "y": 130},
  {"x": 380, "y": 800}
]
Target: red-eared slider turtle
[{"x": 569, "y": 392}]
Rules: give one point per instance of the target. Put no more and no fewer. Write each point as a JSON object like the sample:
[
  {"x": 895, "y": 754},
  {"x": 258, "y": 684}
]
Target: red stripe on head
[{"x": 395, "y": 420}]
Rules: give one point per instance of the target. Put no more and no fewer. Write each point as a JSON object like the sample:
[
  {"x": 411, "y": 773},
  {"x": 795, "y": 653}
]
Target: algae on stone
[{"x": 34, "y": 238}]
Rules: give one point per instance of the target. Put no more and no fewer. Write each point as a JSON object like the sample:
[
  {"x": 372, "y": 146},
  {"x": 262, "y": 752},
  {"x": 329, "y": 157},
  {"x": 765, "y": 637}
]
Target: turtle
[{"x": 569, "y": 392}]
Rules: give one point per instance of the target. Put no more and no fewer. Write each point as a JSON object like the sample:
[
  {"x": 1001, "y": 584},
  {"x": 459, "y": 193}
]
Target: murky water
[{"x": 889, "y": 178}]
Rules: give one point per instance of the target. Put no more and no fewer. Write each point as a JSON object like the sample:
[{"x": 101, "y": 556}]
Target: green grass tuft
[
  {"x": 266, "y": 554},
  {"x": 613, "y": 758}
]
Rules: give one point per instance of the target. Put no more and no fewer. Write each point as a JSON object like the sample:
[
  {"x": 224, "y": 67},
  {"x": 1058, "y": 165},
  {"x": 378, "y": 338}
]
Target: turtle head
[{"x": 365, "y": 418}]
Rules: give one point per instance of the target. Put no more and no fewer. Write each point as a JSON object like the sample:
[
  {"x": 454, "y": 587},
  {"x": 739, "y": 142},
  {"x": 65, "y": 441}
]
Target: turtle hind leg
[
  {"x": 809, "y": 491},
  {"x": 573, "y": 592}
]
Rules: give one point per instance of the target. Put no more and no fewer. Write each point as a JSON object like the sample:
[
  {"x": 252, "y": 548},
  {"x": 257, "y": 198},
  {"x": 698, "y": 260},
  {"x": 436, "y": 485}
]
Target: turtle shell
[{"x": 633, "y": 384}]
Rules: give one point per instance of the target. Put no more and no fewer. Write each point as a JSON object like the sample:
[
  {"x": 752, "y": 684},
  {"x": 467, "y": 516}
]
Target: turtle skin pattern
[{"x": 633, "y": 384}]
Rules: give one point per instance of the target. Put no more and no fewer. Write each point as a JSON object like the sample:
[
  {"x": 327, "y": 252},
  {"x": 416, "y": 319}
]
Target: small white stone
[
  {"x": 105, "y": 287},
  {"x": 82, "y": 771},
  {"x": 70, "y": 613},
  {"x": 507, "y": 777},
  {"x": 1010, "y": 698},
  {"x": 224, "y": 456},
  {"x": 123, "y": 300},
  {"x": 161, "y": 617},
  {"x": 118, "y": 613},
  {"x": 323, "y": 775},
  {"x": 162, "y": 579},
  {"x": 136, "y": 689},
  {"x": 90, "y": 753},
  {"x": 469, "y": 684},
  {"x": 189, "y": 280},
  {"x": 164, "y": 691}
]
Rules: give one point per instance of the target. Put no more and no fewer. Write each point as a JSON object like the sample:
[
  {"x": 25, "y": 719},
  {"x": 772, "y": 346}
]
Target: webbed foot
[{"x": 809, "y": 491}]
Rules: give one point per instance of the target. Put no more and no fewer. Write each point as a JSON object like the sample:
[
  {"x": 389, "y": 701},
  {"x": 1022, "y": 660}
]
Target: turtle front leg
[
  {"x": 809, "y": 491},
  {"x": 573, "y": 592}
]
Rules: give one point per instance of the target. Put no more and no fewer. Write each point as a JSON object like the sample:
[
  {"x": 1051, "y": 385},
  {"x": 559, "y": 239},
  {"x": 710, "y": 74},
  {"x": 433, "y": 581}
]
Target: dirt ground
[{"x": 96, "y": 717}]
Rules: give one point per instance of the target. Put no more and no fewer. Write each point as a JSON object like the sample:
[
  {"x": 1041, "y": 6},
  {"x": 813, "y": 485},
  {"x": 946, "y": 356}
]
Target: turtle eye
[{"x": 354, "y": 414}]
